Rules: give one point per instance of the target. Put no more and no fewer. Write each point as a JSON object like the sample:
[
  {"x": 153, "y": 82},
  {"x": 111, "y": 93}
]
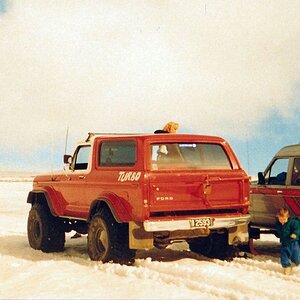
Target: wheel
[
  {"x": 214, "y": 246},
  {"x": 43, "y": 230},
  {"x": 108, "y": 240},
  {"x": 201, "y": 246}
]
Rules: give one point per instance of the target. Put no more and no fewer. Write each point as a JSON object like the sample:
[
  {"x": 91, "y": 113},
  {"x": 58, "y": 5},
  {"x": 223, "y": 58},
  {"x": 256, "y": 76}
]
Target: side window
[
  {"x": 296, "y": 172},
  {"x": 117, "y": 153},
  {"x": 276, "y": 175},
  {"x": 81, "y": 158}
]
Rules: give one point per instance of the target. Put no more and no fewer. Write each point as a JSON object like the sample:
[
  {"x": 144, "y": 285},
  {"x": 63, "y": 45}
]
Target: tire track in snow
[
  {"x": 267, "y": 267},
  {"x": 173, "y": 274},
  {"x": 205, "y": 277},
  {"x": 211, "y": 274}
]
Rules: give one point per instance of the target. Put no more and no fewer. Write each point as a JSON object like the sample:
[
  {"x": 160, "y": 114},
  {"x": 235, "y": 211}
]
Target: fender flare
[
  {"x": 119, "y": 207},
  {"x": 48, "y": 196}
]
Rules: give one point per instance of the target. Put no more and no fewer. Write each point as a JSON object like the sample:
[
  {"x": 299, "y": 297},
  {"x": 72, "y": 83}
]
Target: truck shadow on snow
[
  {"x": 18, "y": 247},
  {"x": 76, "y": 251}
]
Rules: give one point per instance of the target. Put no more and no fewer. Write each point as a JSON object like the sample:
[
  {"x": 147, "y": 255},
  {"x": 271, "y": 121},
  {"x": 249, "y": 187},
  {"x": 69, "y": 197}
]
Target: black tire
[
  {"x": 202, "y": 245},
  {"x": 108, "y": 240},
  {"x": 214, "y": 246},
  {"x": 44, "y": 231}
]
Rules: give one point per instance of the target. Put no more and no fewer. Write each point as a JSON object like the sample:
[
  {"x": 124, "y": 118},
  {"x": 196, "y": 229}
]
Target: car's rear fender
[{"x": 120, "y": 208}]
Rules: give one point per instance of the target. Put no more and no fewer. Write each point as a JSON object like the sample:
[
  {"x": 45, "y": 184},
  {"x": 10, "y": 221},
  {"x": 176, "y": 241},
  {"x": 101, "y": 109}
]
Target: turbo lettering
[{"x": 129, "y": 176}]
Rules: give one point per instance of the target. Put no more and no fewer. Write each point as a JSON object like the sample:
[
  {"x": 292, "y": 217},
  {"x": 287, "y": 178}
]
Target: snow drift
[{"x": 172, "y": 273}]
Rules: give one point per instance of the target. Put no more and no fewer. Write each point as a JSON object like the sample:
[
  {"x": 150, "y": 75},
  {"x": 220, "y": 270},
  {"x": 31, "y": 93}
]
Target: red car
[{"x": 130, "y": 192}]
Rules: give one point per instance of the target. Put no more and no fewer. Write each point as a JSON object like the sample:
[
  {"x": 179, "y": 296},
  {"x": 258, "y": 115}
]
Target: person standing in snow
[{"x": 288, "y": 230}]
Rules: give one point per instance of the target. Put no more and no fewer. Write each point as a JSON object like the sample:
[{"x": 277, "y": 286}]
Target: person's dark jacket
[{"x": 284, "y": 231}]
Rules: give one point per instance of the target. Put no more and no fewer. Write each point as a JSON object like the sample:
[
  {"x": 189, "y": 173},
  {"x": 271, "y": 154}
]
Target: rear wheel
[
  {"x": 44, "y": 231},
  {"x": 214, "y": 246},
  {"x": 201, "y": 245},
  {"x": 108, "y": 240}
]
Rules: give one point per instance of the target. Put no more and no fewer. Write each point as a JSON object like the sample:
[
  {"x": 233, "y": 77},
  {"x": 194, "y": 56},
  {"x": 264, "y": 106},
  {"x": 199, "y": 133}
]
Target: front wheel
[
  {"x": 43, "y": 230},
  {"x": 108, "y": 240}
]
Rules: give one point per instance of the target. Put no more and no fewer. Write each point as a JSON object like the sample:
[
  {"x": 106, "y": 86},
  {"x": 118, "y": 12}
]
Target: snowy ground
[{"x": 173, "y": 273}]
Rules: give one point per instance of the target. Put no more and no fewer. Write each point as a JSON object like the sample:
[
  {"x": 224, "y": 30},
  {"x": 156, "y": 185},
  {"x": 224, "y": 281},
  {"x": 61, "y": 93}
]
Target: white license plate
[{"x": 202, "y": 222}]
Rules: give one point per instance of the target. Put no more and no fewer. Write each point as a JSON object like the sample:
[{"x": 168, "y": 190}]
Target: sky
[{"x": 225, "y": 68}]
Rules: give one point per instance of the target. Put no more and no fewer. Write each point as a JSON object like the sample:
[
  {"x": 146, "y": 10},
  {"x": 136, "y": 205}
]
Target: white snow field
[{"x": 173, "y": 273}]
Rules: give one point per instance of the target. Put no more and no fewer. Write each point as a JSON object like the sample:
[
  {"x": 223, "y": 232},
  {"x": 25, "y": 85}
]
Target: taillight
[{"x": 244, "y": 210}]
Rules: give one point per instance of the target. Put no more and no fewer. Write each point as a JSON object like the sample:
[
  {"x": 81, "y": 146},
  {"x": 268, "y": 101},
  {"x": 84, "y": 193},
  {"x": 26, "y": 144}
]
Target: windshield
[{"x": 198, "y": 156}]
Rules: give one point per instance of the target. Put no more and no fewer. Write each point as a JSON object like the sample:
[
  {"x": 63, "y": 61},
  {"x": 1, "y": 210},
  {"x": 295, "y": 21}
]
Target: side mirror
[
  {"x": 67, "y": 159},
  {"x": 261, "y": 178}
]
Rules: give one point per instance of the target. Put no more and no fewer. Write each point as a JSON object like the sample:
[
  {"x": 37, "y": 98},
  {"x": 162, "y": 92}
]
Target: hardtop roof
[
  {"x": 290, "y": 150},
  {"x": 168, "y": 136}
]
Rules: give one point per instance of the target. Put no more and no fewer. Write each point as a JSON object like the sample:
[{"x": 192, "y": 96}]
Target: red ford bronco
[{"x": 139, "y": 191}]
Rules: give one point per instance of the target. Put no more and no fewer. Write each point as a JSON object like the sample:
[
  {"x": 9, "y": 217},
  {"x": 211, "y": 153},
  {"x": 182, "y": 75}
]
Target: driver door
[
  {"x": 73, "y": 189},
  {"x": 267, "y": 198}
]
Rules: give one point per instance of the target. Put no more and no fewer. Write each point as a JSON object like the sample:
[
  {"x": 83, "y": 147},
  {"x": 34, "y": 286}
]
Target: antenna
[
  {"x": 247, "y": 151},
  {"x": 52, "y": 153},
  {"x": 67, "y": 135},
  {"x": 66, "y": 144}
]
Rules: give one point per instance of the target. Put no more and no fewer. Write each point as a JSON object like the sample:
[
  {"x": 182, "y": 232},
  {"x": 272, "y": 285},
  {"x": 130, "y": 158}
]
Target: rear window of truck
[{"x": 190, "y": 156}]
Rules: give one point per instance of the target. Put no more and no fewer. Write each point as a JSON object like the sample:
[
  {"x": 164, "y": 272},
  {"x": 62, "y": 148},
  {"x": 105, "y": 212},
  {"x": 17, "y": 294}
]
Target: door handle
[
  {"x": 81, "y": 177},
  {"x": 279, "y": 192}
]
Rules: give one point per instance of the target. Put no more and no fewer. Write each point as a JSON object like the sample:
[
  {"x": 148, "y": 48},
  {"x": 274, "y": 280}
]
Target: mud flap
[
  {"x": 238, "y": 234},
  {"x": 138, "y": 237}
]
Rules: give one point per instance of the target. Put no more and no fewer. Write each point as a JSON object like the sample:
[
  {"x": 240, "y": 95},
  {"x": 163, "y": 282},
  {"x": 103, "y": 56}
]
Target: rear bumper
[{"x": 173, "y": 225}]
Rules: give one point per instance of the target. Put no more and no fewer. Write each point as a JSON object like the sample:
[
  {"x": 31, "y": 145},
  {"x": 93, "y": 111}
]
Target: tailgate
[
  {"x": 184, "y": 192},
  {"x": 176, "y": 192}
]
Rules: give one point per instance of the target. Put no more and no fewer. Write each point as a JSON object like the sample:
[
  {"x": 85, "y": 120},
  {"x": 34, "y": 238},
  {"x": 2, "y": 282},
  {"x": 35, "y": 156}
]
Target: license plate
[{"x": 202, "y": 222}]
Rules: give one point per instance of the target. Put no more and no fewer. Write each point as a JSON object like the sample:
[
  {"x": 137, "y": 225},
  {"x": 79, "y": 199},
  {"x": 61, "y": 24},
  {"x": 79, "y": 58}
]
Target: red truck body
[{"x": 197, "y": 189}]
